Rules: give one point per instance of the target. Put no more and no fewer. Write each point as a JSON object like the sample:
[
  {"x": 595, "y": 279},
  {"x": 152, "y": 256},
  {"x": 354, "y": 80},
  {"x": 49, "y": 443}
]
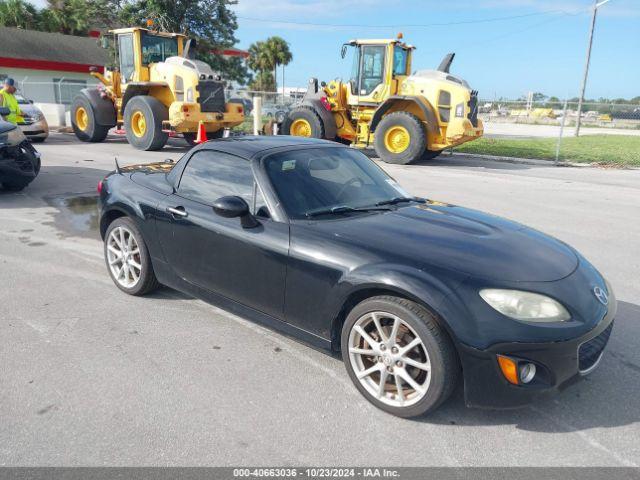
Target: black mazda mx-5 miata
[{"x": 314, "y": 239}]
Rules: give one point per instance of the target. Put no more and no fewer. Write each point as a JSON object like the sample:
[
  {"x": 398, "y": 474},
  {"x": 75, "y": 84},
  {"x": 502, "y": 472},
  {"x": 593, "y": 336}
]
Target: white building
[{"x": 49, "y": 67}]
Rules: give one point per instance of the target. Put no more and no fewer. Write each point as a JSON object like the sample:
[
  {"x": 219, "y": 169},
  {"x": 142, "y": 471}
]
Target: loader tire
[
  {"x": 83, "y": 121},
  {"x": 430, "y": 154},
  {"x": 303, "y": 122},
  {"x": 400, "y": 138},
  {"x": 143, "y": 117}
]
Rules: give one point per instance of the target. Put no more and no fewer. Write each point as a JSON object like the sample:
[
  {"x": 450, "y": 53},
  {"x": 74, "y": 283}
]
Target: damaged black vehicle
[{"x": 19, "y": 160}]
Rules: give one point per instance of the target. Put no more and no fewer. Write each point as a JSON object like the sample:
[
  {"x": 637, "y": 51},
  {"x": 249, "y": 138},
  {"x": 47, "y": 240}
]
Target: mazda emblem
[{"x": 601, "y": 295}]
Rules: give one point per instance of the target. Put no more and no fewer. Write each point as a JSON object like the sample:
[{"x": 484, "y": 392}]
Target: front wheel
[
  {"x": 143, "y": 117},
  {"x": 128, "y": 259},
  {"x": 303, "y": 122},
  {"x": 398, "y": 356},
  {"x": 400, "y": 138}
]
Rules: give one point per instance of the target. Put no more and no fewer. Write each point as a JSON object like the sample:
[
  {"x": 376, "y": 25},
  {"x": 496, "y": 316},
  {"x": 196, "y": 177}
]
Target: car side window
[{"x": 210, "y": 175}]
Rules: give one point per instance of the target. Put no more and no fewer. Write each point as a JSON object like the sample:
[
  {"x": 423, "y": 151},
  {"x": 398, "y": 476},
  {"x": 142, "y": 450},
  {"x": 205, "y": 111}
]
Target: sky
[{"x": 504, "y": 48}]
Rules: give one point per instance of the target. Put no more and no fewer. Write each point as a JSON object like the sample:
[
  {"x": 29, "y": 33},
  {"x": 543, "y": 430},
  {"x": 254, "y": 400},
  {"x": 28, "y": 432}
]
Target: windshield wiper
[
  {"x": 396, "y": 200},
  {"x": 343, "y": 209}
]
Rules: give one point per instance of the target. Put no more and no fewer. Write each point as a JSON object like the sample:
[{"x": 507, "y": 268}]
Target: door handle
[{"x": 177, "y": 211}]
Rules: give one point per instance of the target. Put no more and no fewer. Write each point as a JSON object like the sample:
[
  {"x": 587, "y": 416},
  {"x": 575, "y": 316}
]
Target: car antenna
[{"x": 118, "y": 171}]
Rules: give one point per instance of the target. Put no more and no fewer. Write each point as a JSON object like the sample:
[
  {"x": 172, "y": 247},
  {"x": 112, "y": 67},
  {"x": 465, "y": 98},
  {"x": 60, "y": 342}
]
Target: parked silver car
[{"x": 35, "y": 126}]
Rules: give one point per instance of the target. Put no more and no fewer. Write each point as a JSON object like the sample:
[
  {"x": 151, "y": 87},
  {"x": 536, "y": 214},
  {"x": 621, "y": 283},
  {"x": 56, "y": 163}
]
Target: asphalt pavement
[{"x": 91, "y": 376}]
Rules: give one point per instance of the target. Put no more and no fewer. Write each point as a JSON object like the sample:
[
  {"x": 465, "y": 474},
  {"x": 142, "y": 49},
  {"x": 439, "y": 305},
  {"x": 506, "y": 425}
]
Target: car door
[{"x": 247, "y": 265}]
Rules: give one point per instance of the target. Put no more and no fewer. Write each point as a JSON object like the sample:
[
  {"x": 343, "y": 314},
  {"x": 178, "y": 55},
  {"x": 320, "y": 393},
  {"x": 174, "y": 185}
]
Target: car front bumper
[
  {"x": 558, "y": 365},
  {"x": 20, "y": 162},
  {"x": 38, "y": 129}
]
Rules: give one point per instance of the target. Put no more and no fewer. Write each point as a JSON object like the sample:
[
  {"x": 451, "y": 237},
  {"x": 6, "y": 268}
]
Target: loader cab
[
  {"x": 378, "y": 68},
  {"x": 138, "y": 48}
]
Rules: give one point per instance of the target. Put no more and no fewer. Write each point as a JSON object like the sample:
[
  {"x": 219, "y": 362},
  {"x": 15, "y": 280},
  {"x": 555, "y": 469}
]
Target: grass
[{"x": 604, "y": 149}]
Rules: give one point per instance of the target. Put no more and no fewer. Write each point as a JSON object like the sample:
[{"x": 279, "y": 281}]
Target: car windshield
[{"x": 319, "y": 182}]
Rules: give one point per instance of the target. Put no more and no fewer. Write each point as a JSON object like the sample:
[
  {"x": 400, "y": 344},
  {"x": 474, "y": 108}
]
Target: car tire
[
  {"x": 118, "y": 234},
  {"x": 143, "y": 117},
  {"x": 434, "y": 351},
  {"x": 15, "y": 186},
  {"x": 83, "y": 121},
  {"x": 190, "y": 137},
  {"x": 400, "y": 138},
  {"x": 303, "y": 122},
  {"x": 36, "y": 140}
]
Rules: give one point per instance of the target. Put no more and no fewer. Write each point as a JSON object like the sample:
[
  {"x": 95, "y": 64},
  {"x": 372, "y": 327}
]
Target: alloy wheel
[
  {"x": 389, "y": 359},
  {"x": 123, "y": 257}
]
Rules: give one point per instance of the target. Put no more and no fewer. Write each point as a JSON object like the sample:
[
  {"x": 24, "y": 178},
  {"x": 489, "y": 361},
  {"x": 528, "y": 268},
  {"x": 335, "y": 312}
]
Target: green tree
[
  {"x": 75, "y": 17},
  {"x": 260, "y": 63},
  {"x": 18, "y": 13},
  {"x": 278, "y": 51},
  {"x": 265, "y": 56},
  {"x": 263, "y": 82}
]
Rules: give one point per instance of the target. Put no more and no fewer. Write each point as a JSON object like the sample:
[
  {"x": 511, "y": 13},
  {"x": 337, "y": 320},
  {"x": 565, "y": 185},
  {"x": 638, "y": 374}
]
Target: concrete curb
[{"x": 538, "y": 161}]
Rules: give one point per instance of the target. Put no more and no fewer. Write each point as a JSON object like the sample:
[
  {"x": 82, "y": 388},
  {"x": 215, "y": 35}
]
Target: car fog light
[{"x": 527, "y": 372}]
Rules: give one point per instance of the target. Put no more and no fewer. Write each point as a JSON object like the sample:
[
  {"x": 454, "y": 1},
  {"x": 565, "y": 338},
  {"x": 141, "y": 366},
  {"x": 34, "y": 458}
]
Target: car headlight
[
  {"x": 525, "y": 306},
  {"x": 12, "y": 137},
  {"x": 460, "y": 110},
  {"x": 36, "y": 117}
]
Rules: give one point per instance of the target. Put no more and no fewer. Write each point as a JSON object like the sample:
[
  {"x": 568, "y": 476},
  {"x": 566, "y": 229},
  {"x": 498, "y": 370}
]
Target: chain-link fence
[{"x": 594, "y": 114}]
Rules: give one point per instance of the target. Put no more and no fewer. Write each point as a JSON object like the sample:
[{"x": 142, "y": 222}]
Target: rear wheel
[
  {"x": 398, "y": 356},
  {"x": 400, "y": 138},
  {"x": 128, "y": 259},
  {"x": 143, "y": 117},
  {"x": 303, "y": 122},
  {"x": 83, "y": 121}
]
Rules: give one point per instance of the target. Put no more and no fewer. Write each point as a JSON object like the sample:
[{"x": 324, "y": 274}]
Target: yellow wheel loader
[
  {"x": 404, "y": 116},
  {"x": 158, "y": 87}
]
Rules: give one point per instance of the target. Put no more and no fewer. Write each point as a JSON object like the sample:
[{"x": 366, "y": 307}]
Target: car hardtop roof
[{"x": 248, "y": 146}]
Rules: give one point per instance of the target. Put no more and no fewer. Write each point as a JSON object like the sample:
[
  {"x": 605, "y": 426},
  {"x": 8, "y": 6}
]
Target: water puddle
[{"x": 77, "y": 215}]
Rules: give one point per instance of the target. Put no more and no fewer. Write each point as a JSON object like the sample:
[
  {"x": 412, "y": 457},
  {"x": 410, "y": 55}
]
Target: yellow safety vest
[{"x": 9, "y": 101}]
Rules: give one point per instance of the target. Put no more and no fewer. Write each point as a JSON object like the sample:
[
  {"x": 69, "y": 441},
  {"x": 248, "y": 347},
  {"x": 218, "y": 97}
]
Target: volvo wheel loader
[
  {"x": 158, "y": 87},
  {"x": 404, "y": 116}
]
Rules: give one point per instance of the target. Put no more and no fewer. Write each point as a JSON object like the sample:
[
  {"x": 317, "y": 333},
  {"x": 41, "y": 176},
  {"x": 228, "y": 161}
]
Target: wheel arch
[
  {"x": 103, "y": 108},
  {"x": 410, "y": 284},
  {"x": 330, "y": 127},
  {"x": 113, "y": 212},
  {"x": 418, "y": 106},
  {"x": 157, "y": 90}
]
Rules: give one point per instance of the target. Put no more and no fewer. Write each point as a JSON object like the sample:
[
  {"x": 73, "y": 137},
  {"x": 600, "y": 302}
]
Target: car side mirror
[
  {"x": 4, "y": 111},
  {"x": 233, "y": 206}
]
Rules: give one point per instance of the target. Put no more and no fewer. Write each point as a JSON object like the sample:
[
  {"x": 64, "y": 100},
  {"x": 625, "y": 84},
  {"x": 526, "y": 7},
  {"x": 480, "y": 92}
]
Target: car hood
[
  {"x": 29, "y": 109},
  {"x": 461, "y": 239}
]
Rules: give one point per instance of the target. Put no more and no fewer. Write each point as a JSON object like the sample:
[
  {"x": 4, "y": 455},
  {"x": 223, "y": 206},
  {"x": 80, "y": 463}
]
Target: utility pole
[{"x": 596, "y": 4}]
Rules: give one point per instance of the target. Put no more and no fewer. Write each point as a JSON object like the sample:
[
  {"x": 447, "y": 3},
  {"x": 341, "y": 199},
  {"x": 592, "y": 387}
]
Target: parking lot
[{"x": 91, "y": 376}]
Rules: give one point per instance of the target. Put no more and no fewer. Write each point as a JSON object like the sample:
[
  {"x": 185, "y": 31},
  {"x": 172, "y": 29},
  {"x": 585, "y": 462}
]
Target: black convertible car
[
  {"x": 314, "y": 239},
  {"x": 19, "y": 161}
]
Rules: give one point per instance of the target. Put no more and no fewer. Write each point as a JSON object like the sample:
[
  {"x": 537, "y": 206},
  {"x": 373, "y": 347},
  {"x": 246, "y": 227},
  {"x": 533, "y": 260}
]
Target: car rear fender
[
  {"x": 121, "y": 196},
  {"x": 414, "y": 284}
]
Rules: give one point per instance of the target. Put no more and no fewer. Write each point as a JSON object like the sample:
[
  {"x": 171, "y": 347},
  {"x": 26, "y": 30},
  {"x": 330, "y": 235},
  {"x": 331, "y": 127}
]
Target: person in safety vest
[{"x": 7, "y": 99}]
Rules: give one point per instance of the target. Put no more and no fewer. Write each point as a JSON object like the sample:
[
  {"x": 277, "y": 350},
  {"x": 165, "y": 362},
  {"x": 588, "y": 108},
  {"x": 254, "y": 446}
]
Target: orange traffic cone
[{"x": 202, "y": 133}]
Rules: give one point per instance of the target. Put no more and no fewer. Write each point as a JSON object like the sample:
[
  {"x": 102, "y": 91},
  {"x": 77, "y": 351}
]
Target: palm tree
[
  {"x": 259, "y": 61},
  {"x": 279, "y": 54},
  {"x": 17, "y": 13},
  {"x": 265, "y": 56}
]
